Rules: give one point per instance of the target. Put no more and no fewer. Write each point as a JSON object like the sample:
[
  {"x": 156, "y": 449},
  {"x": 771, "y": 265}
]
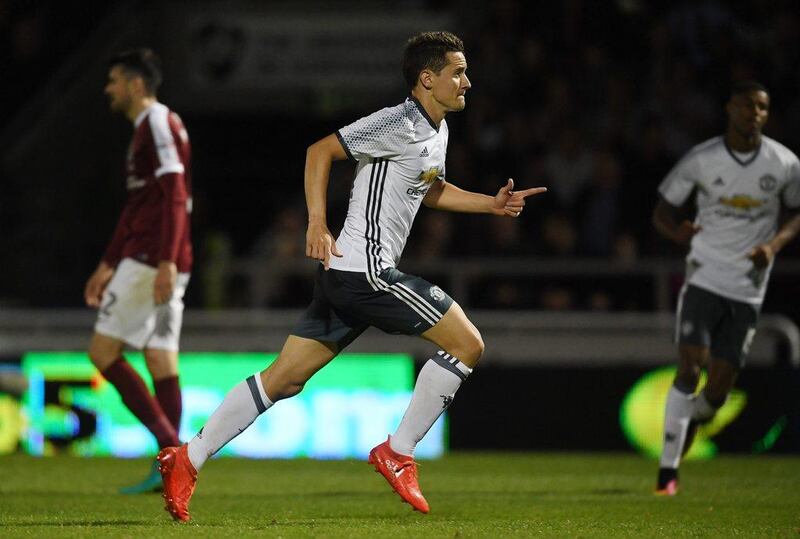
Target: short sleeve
[
  {"x": 385, "y": 133},
  {"x": 680, "y": 182},
  {"x": 791, "y": 192},
  {"x": 169, "y": 161}
]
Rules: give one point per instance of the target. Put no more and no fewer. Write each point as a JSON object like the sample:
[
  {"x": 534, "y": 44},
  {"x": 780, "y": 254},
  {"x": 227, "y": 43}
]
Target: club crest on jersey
[
  {"x": 430, "y": 175},
  {"x": 436, "y": 293},
  {"x": 741, "y": 202},
  {"x": 768, "y": 183}
]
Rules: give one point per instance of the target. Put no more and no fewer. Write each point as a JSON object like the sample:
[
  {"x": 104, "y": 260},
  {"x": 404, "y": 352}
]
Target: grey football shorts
[
  {"x": 346, "y": 303},
  {"x": 723, "y": 325}
]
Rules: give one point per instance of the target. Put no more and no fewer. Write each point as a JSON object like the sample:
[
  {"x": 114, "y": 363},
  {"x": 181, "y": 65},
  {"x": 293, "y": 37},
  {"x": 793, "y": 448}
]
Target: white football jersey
[
  {"x": 399, "y": 154},
  {"x": 738, "y": 204}
]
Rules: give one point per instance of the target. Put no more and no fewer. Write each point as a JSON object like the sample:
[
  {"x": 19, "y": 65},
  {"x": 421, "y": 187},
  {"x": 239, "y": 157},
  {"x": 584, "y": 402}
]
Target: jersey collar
[
  {"x": 424, "y": 113},
  {"x": 140, "y": 118},
  {"x": 747, "y": 161}
]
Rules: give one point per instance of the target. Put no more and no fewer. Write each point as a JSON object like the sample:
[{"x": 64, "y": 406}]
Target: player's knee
[
  {"x": 283, "y": 389},
  {"x": 471, "y": 349},
  {"x": 153, "y": 362},
  {"x": 479, "y": 346},
  {"x": 101, "y": 358},
  {"x": 693, "y": 356}
]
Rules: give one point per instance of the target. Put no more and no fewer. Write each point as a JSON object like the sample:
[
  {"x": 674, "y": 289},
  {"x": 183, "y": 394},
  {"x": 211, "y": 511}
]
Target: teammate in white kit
[
  {"x": 745, "y": 185},
  {"x": 400, "y": 163}
]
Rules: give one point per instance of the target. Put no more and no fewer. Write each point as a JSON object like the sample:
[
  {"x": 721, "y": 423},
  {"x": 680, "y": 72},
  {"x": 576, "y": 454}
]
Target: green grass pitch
[{"x": 471, "y": 495}]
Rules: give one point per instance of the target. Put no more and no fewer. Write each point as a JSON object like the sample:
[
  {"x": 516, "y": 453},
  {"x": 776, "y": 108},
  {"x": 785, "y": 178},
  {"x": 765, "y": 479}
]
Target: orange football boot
[
  {"x": 667, "y": 482},
  {"x": 180, "y": 478},
  {"x": 401, "y": 473}
]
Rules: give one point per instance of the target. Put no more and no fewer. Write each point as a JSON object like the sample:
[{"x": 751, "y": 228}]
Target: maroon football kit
[{"x": 154, "y": 225}]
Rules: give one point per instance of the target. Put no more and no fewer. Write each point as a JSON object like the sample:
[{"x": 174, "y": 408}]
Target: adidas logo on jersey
[
  {"x": 424, "y": 152},
  {"x": 718, "y": 181}
]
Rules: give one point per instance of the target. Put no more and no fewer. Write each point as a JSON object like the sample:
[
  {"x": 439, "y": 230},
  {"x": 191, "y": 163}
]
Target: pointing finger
[{"x": 531, "y": 191}]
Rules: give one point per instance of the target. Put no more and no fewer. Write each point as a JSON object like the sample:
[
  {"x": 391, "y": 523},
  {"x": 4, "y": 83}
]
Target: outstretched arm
[
  {"x": 320, "y": 244},
  {"x": 668, "y": 222},
  {"x": 446, "y": 196}
]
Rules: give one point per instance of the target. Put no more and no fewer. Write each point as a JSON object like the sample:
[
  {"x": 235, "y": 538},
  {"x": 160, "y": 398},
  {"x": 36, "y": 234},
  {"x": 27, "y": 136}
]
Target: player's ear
[
  {"x": 426, "y": 79},
  {"x": 137, "y": 84}
]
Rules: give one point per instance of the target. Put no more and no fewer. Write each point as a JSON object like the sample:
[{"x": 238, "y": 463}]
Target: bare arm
[
  {"x": 319, "y": 157},
  {"x": 668, "y": 222},
  {"x": 446, "y": 196},
  {"x": 763, "y": 254}
]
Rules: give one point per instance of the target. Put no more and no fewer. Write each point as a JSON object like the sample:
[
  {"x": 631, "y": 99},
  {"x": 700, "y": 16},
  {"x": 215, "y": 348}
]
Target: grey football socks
[
  {"x": 437, "y": 383},
  {"x": 241, "y": 406},
  {"x": 676, "y": 422}
]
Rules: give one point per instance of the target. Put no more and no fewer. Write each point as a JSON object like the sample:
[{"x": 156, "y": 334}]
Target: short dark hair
[
  {"x": 428, "y": 50},
  {"x": 747, "y": 86},
  {"x": 142, "y": 63}
]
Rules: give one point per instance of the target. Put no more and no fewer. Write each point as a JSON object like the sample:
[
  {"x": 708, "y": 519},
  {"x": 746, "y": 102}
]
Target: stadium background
[{"x": 595, "y": 100}]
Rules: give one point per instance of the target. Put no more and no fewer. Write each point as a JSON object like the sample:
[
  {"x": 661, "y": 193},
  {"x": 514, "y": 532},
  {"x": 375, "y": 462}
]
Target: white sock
[
  {"x": 436, "y": 385},
  {"x": 676, "y": 422},
  {"x": 242, "y": 405},
  {"x": 703, "y": 410}
]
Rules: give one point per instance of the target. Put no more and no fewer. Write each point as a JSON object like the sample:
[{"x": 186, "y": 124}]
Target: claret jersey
[
  {"x": 154, "y": 224},
  {"x": 738, "y": 204},
  {"x": 399, "y": 153}
]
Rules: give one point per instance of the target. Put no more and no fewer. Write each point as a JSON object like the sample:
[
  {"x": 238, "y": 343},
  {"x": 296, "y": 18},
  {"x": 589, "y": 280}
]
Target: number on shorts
[{"x": 105, "y": 310}]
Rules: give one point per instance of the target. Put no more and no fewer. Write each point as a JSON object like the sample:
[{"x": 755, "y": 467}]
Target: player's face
[
  {"x": 118, "y": 90},
  {"x": 451, "y": 83},
  {"x": 748, "y": 112}
]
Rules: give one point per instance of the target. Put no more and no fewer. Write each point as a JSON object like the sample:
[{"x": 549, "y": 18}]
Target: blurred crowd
[
  {"x": 594, "y": 99},
  {"x": 36, "y": 36},
  {"x": 597, "y": 100}
]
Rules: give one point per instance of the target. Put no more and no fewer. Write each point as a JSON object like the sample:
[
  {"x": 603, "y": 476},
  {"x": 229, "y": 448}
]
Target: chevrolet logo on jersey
[
  {"x": 430, "y": 175},
  {"x": 741, "y": 202}
]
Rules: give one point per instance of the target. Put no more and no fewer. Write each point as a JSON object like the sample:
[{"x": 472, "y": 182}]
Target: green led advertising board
[
  {"x": 642, "y": 415},
  {"x": 345, "y": 409}
]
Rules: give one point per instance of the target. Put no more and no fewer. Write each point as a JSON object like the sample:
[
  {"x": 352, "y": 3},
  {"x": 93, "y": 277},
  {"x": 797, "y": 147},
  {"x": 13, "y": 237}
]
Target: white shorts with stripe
[{"x": 128, "y": 311}]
